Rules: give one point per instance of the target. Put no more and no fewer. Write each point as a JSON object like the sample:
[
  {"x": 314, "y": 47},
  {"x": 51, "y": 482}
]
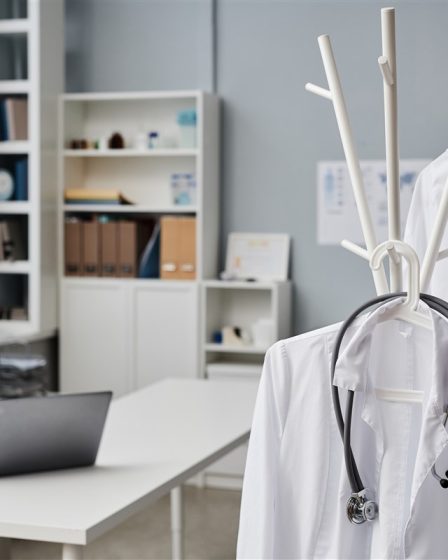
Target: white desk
[{"x": 154, "y": 440}]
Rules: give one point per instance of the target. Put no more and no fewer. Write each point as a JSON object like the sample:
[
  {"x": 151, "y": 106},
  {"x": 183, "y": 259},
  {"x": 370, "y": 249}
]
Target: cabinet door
[
  {"x": 166, "y": 331},
  {"x": 94, "y": 337}
]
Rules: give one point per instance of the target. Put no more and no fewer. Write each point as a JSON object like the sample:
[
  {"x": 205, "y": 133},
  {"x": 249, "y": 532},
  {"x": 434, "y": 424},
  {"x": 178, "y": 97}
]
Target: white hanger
[
  {"x": 397, "y": 250},
  {"x": 407, "y": 311}
]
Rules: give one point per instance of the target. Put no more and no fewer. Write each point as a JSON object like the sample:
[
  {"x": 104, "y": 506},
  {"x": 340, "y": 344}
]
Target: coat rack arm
[
  {"x": 388, "y": 68},
  {"x": 356, "y": 249},
  {"x": 442, "y": 255},
  {"x": 351, "y": 156},
  {"x": 432, "y": 254},
  {"x": 317, "y": 90}
]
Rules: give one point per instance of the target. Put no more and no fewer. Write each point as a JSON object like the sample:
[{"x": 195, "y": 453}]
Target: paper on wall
[{"x": 337, "y": 217}]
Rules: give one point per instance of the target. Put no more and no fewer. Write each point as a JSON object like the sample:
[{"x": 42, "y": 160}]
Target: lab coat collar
[
  {"x": 352, "y": 374},
  {"x": 352, "y": 365}
]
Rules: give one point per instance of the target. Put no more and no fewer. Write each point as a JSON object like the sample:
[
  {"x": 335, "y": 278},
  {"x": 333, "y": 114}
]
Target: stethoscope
[{"x": 361, "y": 507}]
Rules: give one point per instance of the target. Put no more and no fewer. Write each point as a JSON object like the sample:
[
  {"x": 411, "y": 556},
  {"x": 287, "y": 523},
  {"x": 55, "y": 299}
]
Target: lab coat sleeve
[{"x": 257, "y": 516}]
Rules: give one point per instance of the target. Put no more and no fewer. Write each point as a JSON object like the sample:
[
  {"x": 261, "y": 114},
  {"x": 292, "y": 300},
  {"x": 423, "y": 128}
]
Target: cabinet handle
[{"x": 187, "y": 267}]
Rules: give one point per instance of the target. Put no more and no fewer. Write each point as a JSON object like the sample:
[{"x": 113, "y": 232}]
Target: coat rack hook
[{"x": 386, "y": 70}]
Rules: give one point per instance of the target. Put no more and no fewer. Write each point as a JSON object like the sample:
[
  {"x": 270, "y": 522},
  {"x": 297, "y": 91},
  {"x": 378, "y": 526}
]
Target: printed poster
[{"x": 337, "y": 217}]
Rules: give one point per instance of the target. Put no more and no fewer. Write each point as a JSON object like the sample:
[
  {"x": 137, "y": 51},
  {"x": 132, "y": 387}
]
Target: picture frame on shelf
[{"x": 257, "y": 256}]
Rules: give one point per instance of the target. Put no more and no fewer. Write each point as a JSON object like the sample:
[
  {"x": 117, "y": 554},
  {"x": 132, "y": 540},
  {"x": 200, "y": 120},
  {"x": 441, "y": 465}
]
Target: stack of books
[
  {"x": 13, "y": 119},
  {"x": 95, "y": 196}
]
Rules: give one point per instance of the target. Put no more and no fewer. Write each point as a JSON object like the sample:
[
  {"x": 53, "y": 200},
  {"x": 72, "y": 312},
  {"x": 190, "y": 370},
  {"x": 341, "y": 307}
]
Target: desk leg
[
  {"x": 5, "y": 549},
  {"x": 72, "y": 552},
  {"x": 177, "y": 552}
]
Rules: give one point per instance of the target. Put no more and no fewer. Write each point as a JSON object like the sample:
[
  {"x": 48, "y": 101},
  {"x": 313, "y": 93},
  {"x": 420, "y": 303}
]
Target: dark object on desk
[
  {"x": 49, "y": 433},
  {"x": 116, "y": 141},
  {"x": 22, "y": 375}
]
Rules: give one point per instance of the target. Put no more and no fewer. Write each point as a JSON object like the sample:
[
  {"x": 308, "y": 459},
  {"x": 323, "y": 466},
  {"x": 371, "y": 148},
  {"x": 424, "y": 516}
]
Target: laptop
[{"x": 52, "y": 432}]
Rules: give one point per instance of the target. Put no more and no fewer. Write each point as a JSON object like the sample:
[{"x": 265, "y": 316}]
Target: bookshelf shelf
[
  {"x": 14, "y": 26},
  {"x": 239, "y": 285},
  {"x": 128, "y": 209},
  {"x": 129, "y": 152},
  {"x": 14, "y": 147},
  {"x": 211, "y": 347},
  {"x": 14, "y": 86},
  {"x": 15, "y": 267},
  {"x": 15, "y": 207}
]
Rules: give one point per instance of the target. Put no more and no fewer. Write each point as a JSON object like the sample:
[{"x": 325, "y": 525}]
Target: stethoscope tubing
[{"x": 344, "y": 425}]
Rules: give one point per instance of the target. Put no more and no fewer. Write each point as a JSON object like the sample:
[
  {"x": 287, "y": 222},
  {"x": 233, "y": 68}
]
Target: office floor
[{"x": 210, "y": 533}]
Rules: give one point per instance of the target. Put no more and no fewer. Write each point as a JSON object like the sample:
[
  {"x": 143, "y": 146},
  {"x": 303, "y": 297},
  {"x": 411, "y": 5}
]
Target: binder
[
  {"x": 3, "y": 122},
  {"x": 127, "y": 249},
  {"x": 21, "y": 179},
  {"x": 169, "y": 248},
  {"x": 178, "y": 248},
  {"x": 109, "y": 249},
  {"x": 187, "y": 250},
  {"x": 73, "y": 248},
  {"x": 149, "y": 266},
  {"x": 91, "y": 248}
]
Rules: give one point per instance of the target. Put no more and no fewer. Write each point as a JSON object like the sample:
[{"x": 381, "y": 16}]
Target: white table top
[{"x": 154, "y": 439}]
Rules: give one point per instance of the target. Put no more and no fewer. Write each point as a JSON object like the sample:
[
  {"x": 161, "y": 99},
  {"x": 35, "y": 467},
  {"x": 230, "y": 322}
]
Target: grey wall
[{"x": 273, "y": 131}]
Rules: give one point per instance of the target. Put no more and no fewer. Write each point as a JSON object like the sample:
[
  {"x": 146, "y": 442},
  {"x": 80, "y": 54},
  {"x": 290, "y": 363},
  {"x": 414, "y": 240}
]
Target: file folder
[
  {"x": 109, "y": 249},
  {"x": 187, "y": 250},
  {"x": 127, "y": 249},
  {"x": 178, "y": 248},
  {"x": 91, "y": 248},
  {"x": 73, "y": 248},
  {"x": 169, "y": 247}
]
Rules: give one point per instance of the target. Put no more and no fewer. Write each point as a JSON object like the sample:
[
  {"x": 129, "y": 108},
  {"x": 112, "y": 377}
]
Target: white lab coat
[
  {"x": 422, "y": 214},
  {"x": 295, "y": 487}
]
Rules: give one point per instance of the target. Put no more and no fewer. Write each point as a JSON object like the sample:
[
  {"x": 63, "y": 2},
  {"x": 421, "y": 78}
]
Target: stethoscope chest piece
[{"x": 360, "y": 510}]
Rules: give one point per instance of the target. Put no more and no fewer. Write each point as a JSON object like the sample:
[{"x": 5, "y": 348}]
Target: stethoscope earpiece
[{"x": 443, "y": 483}]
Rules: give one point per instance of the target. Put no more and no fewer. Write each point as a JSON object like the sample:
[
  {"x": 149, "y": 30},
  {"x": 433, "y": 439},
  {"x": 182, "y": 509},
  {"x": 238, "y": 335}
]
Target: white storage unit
[
  {"x": 140, "y": 330},
  {"x": 32, "y": 68},
  {"x": 239, "y": 304},
  {"x": 125, "y": 334},
  {"x": 242, "y": 304}
]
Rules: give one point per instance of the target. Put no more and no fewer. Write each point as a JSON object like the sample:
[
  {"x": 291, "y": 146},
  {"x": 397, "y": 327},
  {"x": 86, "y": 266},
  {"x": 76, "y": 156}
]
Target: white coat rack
[{"x": 395, "y": 248}]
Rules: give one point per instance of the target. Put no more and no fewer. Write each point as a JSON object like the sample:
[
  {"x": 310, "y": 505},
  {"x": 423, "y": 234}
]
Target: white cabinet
[
  {"x": 124, "y": 334},
  {"x": 166, "y": 328},
  {"x": 94, "y": 337}
]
